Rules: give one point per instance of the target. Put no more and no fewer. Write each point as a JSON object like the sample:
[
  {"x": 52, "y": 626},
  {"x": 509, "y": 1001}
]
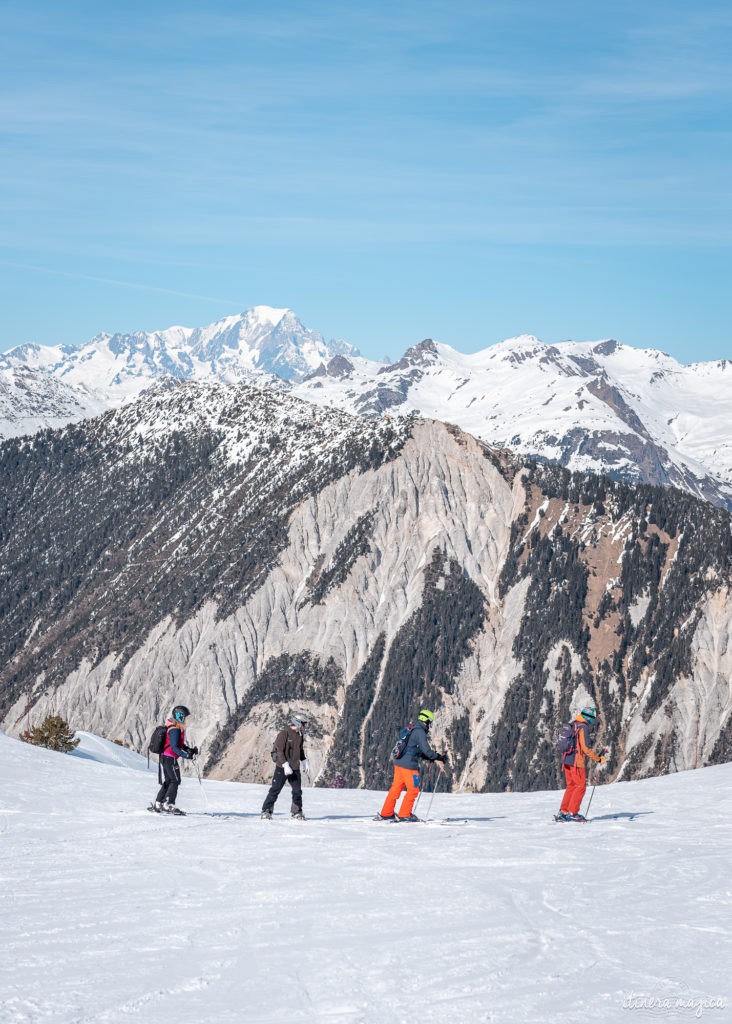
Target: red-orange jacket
[{"x": 583, "y": 749}]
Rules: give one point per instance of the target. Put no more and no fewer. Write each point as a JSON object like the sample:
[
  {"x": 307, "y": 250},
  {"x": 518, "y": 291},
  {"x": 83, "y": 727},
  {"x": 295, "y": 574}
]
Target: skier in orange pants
[
  {"x": 573, "y": 763},
  {"x": 404, "y": 778},
  {"x": 406, "y": 771}
]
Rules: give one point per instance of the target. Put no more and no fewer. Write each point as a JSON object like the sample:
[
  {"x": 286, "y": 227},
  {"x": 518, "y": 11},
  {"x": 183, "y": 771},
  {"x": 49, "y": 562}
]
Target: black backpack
[
  {"x": 158, "y": 739},
  {"x": 567, "y": 739},
  {"x": 400, "y": 747}
]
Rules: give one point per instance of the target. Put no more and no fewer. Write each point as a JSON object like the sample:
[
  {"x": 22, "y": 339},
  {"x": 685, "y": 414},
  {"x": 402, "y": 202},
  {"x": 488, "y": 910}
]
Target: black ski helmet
[{"x": 180, "y": 713}]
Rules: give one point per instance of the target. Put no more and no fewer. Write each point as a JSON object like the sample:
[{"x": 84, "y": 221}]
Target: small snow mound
[{"x": 94, "y": 748}]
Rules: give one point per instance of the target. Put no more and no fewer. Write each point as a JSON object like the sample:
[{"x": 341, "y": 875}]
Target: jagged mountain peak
[{"x": 423, "y": 354}]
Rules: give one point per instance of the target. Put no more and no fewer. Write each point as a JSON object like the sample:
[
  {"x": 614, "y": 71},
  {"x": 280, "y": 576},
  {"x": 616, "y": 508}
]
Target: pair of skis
[
  {"x": 177, "y": 813},
  {"x": 421, "y": 821}
]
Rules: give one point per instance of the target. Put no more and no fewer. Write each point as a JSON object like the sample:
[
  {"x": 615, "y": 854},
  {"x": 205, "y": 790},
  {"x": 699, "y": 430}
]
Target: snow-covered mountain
[
  {"x": 637, "y": 415},
  {"x": 244, "y": 552},
  {"x": 259, "y": 344},
  {"x": 116, "y": 915},
  {"x": 31, "y": 400}
]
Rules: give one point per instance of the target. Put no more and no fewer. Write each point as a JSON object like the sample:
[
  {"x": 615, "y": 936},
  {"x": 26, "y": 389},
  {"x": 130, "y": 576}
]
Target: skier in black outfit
[
  {"x": 289, "y": 755},
  {"x": 175, "y": 748}
]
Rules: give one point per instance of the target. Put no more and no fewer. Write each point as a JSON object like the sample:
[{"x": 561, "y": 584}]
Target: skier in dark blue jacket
[{"x": 406, "y": 770}]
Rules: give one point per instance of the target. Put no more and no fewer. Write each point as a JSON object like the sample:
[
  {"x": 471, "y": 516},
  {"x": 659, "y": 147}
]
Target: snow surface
[{"x": 113, "y": 914}]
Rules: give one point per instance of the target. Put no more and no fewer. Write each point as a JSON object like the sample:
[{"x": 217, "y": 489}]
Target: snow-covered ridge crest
[{"x": 635, "y": 414}]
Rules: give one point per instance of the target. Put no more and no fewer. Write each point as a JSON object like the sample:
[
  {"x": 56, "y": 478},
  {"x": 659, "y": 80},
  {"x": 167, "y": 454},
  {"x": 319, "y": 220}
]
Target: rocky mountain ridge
[
  {"x": 637, "y": 415},
  {"x": 247, "y": 553}
]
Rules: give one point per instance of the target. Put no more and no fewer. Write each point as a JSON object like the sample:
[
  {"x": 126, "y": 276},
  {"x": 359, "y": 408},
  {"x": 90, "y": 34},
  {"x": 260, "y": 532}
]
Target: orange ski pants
[
  {"x": 576, "y": 780},
  {"x": 404, "y": 778}
]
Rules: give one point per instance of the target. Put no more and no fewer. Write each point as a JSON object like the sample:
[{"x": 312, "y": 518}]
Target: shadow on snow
[{"x": 630, "y": 815}]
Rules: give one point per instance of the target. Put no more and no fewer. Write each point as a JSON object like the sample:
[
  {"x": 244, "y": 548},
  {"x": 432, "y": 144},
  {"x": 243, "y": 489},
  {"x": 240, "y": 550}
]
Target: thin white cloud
[{"x": 15, "y": 265}]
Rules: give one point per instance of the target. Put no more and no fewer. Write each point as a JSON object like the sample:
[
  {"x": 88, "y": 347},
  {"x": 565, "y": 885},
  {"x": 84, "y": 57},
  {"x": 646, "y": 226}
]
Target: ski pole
[
  {"x": 594, "y": 787},
  {"x": 200, "y": 781},
  {"x": 437, "y": 783},
  {"x": 422, "y": 772}
]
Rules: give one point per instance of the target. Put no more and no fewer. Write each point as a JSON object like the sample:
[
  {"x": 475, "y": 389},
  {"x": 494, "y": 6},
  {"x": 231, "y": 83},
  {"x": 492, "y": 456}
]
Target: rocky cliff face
[{"x": 248, "y": 554}]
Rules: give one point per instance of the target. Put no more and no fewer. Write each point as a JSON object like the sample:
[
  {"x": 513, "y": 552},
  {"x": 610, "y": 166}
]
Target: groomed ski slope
[{"x": 113, "y": 914}]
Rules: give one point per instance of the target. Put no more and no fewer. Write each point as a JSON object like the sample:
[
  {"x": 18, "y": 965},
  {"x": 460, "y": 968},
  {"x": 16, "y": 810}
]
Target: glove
[
  {"x": 287, "y": 768},
  {"x": 305, "y": 765},
  {"x": 441, "y": 757},
  {"x": 194, "y": 751},
  {"x": 601, "y": 759}
]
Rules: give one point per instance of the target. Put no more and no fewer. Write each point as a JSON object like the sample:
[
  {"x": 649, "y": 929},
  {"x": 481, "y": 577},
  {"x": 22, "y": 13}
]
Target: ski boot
[
  {"x": 172, "y": 809},
  {"x": 266, "y": 815},
  {"x": 298, "y": 816},
  {"x": 412, "y": 817},
  {"x": 386, "y": 817}
]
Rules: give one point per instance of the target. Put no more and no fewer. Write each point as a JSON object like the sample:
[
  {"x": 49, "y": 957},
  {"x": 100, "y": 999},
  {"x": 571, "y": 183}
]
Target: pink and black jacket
[{"x": 175, "y": 745}]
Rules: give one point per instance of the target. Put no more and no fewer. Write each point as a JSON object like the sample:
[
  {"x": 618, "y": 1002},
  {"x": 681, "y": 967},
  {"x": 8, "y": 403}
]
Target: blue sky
[{"x": 390, "y": 171}]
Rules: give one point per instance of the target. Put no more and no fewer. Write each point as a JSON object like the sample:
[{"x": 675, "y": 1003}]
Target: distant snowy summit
[
  {"x": 635, "y": 414},
  {"x": 261, "y": 340},
  {"x": 49, "y": 386}
]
